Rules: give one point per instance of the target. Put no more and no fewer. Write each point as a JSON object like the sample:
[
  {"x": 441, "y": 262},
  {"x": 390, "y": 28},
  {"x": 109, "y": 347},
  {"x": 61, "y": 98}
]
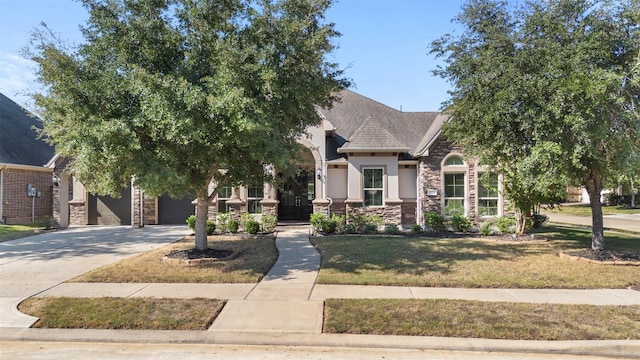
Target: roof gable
[
  {"x": 371, "y": 136},
  {"x": 18, "y": 138},
  {"x": 409, "y": 130}
]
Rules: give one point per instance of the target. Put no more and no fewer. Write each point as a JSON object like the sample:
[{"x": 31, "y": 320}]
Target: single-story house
[
  {"x": 364, "y": 158},
  {"x": 25, "y": 183}
]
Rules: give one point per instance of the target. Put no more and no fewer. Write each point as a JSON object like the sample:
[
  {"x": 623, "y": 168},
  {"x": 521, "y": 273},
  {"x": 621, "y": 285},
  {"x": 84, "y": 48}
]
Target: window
[
  {"x": 373, "y": 187},
  {"x": 454, "y": 161},
  {"x": 224, "y": 193},
  {"x": 454, "y": 194},
  {"x": 488, "y": 194},
  {"x": 254, "y": 196}
]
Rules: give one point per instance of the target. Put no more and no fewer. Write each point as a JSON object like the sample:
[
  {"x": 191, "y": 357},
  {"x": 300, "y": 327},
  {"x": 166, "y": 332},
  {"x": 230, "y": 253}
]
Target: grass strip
[
  {"x": 12, "y": 232},
  {"x": 474, "y": 262},
  {"x": 474, "y": 319},
  {"x": 257, "y": 256},
  {"x": 122, "y": 313}
]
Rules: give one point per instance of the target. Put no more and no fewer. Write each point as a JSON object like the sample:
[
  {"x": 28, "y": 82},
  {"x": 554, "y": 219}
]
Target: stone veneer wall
[
  {"x": 149, "y": 210},
  {"x": 430, "y": 177},
  {"x": 390, "y": 214},
  {"x": 408, "y": 209},
  {"x": 77, "y": 212}
]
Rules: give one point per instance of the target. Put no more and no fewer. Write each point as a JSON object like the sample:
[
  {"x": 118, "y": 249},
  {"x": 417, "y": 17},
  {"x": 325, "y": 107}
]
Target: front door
[{"x": 296, "y": 196}]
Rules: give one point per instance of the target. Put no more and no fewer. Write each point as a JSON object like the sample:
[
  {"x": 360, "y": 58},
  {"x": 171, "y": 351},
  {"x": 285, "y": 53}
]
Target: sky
[{"x": 384, "y": 46}]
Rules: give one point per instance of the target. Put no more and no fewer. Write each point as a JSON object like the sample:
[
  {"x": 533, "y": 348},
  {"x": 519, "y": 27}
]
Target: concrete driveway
[{"x": 34, "y": 264}]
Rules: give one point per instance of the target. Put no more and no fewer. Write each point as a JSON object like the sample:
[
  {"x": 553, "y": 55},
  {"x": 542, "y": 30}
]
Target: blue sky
[{"x": 384, "y": 45}]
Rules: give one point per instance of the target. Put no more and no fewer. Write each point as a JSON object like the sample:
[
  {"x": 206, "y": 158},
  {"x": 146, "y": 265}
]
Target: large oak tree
[
  {"x": 182, "y": 93},
  {"x": 546, "y": 90}
]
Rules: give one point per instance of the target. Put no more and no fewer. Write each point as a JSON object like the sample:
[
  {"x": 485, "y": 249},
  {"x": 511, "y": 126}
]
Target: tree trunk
[
  {"x": 594, "y": 183},
  {"x": 633, "y": 195},
  {"x": 202, "y": 214}
]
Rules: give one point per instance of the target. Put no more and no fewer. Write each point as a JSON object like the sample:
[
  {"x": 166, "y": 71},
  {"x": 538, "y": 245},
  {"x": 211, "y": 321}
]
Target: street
[{"x": 99, "y": 351}]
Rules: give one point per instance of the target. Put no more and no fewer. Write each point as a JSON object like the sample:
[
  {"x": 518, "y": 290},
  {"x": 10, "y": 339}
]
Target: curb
[{"x": 628, "y": 349}]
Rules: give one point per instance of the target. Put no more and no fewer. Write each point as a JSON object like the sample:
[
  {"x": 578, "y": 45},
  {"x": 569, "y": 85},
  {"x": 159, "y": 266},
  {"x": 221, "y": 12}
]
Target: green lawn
[
  {"x": 585, "y": 210},
  {"x": 12, "y": 232},
  {"x": 473, "y": 262}
]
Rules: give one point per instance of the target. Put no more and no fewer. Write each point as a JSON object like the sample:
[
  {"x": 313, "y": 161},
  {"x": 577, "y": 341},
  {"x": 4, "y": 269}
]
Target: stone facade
[
  {"x": 77, "y": 215},
  {"x": 17, "y": 206},
  {"x": 390, "y": 213},
  {"x": 408, "y": 209}
]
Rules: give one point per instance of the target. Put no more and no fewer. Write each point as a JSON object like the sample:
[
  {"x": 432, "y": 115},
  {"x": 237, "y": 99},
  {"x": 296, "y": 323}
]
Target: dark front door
[{"x": 296, "y": 196}]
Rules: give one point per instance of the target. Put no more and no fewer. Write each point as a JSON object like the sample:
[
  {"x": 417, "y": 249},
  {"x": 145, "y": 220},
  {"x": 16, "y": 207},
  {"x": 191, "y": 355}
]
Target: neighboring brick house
[
  {"x": 25, "y": 184},
  {"x": 364, "y": 158}
]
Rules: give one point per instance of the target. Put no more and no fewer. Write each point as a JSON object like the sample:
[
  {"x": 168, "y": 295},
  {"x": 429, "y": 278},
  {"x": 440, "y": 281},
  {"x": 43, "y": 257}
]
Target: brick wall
[{"x": 16, "y": 207}]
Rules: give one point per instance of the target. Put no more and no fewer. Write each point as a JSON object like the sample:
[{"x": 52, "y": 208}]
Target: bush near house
[
  {"x": 506, "y": 224},
  {"x": 233, "y": 225},
  {"x": 434, "y": 221},
  {"x": 269, "y": 223},
  {"x": 461, "y": 223},
  {"x": 253, "y": 227}
]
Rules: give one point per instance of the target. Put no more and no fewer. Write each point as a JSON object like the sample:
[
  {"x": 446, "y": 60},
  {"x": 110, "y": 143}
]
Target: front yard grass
[
  {"x": 474, "y": 319},
  {"x": 121, "y": 313},
  {"x": 473, "y": 262},
  {"x": 585, "y": 210},
  {"x": 12, "y": 232},
  {"x": 257, "y": 256}
]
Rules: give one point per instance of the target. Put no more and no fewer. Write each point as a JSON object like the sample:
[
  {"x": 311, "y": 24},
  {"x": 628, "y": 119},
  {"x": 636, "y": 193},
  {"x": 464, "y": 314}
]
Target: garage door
[
  {"x": 174, "y": 211},
  {"x": 106, "y": 210}
]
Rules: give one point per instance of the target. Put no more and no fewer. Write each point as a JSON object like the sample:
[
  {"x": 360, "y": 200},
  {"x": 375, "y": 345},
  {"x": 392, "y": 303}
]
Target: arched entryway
[{"x": 297, "y": 191}]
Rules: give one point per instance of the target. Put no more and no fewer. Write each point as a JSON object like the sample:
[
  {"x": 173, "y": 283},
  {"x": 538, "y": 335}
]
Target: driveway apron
[{"x": 31, "y": 265}]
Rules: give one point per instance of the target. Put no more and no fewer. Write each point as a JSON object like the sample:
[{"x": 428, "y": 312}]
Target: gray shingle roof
[
  {"x": 18, "y": 140},
  {"x": 363, "y": 123}
]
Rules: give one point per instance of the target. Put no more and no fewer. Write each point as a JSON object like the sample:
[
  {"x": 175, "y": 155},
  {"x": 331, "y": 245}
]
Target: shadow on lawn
[
  {"x": 421, "y": 255},
  {"x": 418, "y": 256}
]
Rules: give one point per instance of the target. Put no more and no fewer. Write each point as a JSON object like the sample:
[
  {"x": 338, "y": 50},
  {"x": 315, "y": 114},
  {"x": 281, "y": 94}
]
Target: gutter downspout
[{"x": 418, "y": 198}]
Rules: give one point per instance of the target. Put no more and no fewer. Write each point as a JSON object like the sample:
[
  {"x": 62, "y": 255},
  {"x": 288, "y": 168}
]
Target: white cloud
[{"x": 17, "y": 78}]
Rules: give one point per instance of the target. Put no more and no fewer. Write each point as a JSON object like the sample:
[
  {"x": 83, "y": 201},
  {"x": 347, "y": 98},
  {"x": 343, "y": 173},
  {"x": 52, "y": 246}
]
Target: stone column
[{"x": 235, "y": 204}]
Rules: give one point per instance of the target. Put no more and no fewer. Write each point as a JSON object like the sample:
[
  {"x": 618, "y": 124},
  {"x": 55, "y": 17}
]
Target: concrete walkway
[{"x": 285, "y": 308}]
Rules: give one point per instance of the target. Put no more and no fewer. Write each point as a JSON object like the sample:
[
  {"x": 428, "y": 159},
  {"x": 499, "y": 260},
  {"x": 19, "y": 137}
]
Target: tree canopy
[
  {"x": 547, "y": 90},
  {"x": 177, "y": 93}
]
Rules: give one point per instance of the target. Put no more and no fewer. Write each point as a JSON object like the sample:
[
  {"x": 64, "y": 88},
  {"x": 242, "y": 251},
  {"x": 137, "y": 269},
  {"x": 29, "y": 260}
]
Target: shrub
[
  {"x": 244, "y": 218},
  {"x": 434, "y": 221},
  {"x": 416, "y": 228},
  {"x": 370, "y": 228},
  {"x": 316, "y": 220},
  {"x": 358, "y": 221},
  {"x": 537, "y": 220},
  {"x": 191, "y": 222},
  {"x": 329, "y": 226},
  {"x": 269, "y": 223},
  {"x": 506, "y": 224},
  {"x": 485, "y": 230},
  {"x": 461, "y": 223},
  {"x": 391, "y": 229},
  {"x": 233, "y": 225},
  {"x": 211, "y": 227},
  {"x": 350, "y": 229},
  {"x": 223, "y": 219},
  {"x": 341, "y": 222},
  {"x": 252, "y": 227}
]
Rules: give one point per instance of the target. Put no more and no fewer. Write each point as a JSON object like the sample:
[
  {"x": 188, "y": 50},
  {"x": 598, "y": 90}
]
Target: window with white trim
[
  {"x": 254, "y": 196},
  {"x": 487, "y": 194},
  {"x": 454, "y": 161},
  {"x": 373, "y": 186},
  {"x": 454, "y": 194},
  {"x": 224, "y": 193}
]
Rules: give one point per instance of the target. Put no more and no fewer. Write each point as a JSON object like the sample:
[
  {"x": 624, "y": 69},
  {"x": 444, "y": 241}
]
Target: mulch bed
[
  {"x": 192, "y": 254},
  {"x": 604, "y": 255}
]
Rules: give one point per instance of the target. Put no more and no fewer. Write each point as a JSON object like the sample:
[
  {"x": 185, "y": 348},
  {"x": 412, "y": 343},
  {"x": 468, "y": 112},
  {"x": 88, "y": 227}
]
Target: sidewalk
[{"x": 286, "y": 308}]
